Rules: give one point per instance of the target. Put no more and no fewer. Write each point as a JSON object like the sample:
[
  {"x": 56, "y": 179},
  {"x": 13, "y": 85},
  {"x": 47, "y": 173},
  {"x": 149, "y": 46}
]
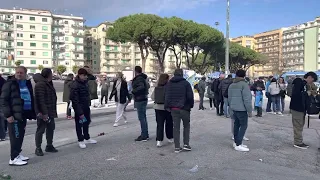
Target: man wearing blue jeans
[
  {"x": 224, "y": 85},
  {"x": 240, "y": 101},
  {"x": 140, "y": 91}
]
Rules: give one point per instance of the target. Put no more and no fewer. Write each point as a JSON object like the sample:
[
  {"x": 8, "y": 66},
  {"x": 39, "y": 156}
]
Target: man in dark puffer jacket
[
  {"x": 17, "y": 104},
  {"x": 179, "y": 99},
  {"x": 46, "y": 109}
]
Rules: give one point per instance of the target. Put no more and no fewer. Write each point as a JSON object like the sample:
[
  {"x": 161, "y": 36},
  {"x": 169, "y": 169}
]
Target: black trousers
[
  {"x": 68, "y": 109},
  {"x": 82, "y": 129},
  {"x": 259, "y": 111},
  {"x": 219, "y": 106},
  {"x": 47, "y": 127},
  {"x": 16, "y": 133},
  {"x": 105, "y": 97},
  {"x": 164, "y": 119},
  {"x": 211, "y": 100}
]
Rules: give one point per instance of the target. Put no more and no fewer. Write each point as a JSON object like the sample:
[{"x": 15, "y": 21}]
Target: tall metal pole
[{"x": 227, "y": 38}]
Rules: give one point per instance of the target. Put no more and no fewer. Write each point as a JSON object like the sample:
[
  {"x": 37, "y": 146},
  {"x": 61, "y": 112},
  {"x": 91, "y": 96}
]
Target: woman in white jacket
[{"x": 274, "y": 90}]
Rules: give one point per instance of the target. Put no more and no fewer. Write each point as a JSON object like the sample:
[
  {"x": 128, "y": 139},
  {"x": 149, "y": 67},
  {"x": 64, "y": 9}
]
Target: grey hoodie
[{"x": 239, "y": 96}]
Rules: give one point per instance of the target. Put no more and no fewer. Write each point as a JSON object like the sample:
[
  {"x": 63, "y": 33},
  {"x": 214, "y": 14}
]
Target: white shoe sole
[{"x": 300, "y": 147}]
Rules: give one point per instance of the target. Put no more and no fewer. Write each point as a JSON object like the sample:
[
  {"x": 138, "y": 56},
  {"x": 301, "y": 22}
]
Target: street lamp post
[{"x": 227, "y": 38}]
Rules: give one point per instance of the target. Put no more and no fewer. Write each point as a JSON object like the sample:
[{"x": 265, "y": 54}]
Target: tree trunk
[{"x": 143, "y": 57}]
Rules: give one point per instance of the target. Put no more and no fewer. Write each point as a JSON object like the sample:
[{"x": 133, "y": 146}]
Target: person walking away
[
  {"x": 201, "y": 90},
  {"x": 224, "y": 85},
  {"x": 269, "y": 102},
  {"x": 121, "y": 95},
  {"x": 290, "y": 85},
  {"x": 46, "y": 110},
  {"x": 179, "y": 99},
  {"x": 163, "y": 116},
  {"x": 301, "y": 91},
  {"x": 210, "y": 94},
  {"x": 105, "y": 84},
  {"x": 80, "y": 98},
  {"x": 240, "y": 101},
  {"x": 283, "y": 92},
  {"x": 17, "y": 104},
  {"x": 3, "y": 121},
  {"x": 140, "y": 91},
  {"x": 258, "y": 100},
  {"x": 274, "y": 90},
  {"x": 92, "y": 83},
  {"x": 130, "y": 94},
  {"x": 66, "y": 93},
  {"x": 218, "y": 95}
]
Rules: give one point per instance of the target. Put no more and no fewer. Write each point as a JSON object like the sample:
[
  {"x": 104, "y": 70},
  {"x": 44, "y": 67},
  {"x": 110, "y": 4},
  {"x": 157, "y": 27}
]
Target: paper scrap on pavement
[{"x": 111, "y": 159}]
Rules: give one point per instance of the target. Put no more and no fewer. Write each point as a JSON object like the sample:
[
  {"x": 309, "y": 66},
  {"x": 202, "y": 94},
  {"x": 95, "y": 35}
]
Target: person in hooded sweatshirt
[
  {"x": 46, "y": 109},
  {"x": 140, "y": 91},
  {"x": 66, "y": 93},
  {"x": 179, "y": 100},
  {"x": 274, "y": 91},
  {"x": 92, "y": 83}
]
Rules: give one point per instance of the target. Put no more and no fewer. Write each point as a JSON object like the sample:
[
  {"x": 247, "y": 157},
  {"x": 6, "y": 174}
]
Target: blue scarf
[{"x": 25, "y": 94}]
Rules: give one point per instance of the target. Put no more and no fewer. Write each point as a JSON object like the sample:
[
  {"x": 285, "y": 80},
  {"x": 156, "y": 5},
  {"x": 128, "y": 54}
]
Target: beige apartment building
[
  {"x": 38, "y": 37},
  {"x": 106, "y": 56},
  {"x": 270, "y": 44}
]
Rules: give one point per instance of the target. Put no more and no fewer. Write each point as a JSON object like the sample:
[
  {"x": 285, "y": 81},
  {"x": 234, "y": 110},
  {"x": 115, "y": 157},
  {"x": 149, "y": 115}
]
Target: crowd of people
[{"x": 173, "y": 100}]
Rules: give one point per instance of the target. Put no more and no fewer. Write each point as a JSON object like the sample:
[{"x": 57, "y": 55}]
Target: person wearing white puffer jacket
[{"x": 274, "y": 90}]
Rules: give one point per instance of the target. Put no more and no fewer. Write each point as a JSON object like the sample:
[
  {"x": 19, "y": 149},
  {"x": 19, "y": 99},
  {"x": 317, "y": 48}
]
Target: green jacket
[{"x": 239, "y": 96}]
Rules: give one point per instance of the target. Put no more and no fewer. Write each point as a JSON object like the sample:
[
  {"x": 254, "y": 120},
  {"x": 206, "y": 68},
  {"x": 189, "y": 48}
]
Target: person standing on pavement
[
  {"x": 105, "y": 85},
  {"x": 121, "y": 95},
  {"x": 46, "y": 110},
  {"x": 223, "y": 86},
  {"x": 301, "y": 91},
  {"x": 290, "y": 85},
  {"x": 66, "y": 93},
  {"x": 140, "y": 91},
  {"x": 179, "y": 99},
  {"x": 218, "y": 95},
  {"x": 240, "y": 101},
  {"x": 17, "y": 104},
  {"x": 3, "y": 121},
  {"x": 130, "y": 94},
  {"x": 269, "y": 102},
  {"x": 274, "y": 91},
  {"x": 80, "y": 97},
  {"x": 210, "y": 94},
  {"x": 92, "y": 83},
  {"x": 163, "y": 116},
  {"x": 201, "y": 90},
  {"x": 283, "y": 92}
]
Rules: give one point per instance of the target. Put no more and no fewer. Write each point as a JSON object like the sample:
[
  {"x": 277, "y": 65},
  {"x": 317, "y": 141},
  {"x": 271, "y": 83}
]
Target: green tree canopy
[
  {"x": 18, "y": 63},
  {"x": 75, "y": 69},
  {"x": 61, "y": 69},
  {"x": 40, "y": 67}
]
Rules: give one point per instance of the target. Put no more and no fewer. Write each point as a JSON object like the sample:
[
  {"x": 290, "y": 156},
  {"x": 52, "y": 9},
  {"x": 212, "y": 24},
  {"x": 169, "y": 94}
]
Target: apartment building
[
  {"x": 270, "y": 44},
  {"x": 110, "y": 57},
  {"x": 245, "y": 41},
  {"x": 38, "y": 37}
]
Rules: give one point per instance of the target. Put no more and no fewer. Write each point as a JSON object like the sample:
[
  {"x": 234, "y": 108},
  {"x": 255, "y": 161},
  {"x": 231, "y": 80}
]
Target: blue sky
[{"x": 247, "y": 17}]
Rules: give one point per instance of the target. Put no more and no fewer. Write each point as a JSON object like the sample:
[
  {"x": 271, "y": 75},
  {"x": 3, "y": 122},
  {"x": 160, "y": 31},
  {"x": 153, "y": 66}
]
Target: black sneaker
[
  {"x": 186, "y": 148},
  {"x": 177, "y": 150},
  {"x": 39, "y": 152},
  {"x": 141, "y": 138},
  {"x": 51, "y": 149},
  {"x": 301, "y": 146}
]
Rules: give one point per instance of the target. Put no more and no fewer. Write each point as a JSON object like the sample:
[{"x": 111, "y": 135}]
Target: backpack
[
  {"x": 196, "y": 87},
  {"x": 313, "y": 105},
  {"x": 225, "y": 94},
  {"x": 159, "y": 94}
]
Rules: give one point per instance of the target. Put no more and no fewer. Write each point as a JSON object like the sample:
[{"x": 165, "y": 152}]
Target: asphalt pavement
[{"x": 117, "y": 156}]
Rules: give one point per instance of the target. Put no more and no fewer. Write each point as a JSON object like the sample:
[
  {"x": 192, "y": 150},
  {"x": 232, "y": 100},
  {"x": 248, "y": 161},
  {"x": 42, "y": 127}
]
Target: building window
[
  {"x": 20, "y": 52},
  {"x": 33, "y": 44},
  {"x": 76, "y": 39},
  {"x": 115, "y": 48},
  {"x": 32, "y": 53},
  {"x": 33, "y": 62},
  {"x": 94, "y": 62},
  {"x": 66, "y": 22},
  {"x": 45, "y": 45},
  {"x": 32, "y": 36},
  {"x": 32, "y": 27},
  {"x": 45, "y": 62},
  {"x": 44, "y": 36},
  {"x": 44, "y": 28},
  {"x": 19, "y": 43},
  {"x": 94, "y": 30},
  {"x": 19, "y": 17},
  {"x": 67, "y": 54},
  {"x": 66, "y": 38},
  {"x": 33, "y": 71},
  {"x": 19, "y": 26},
  {"x": 19, "y": 35},
  {"x": 22, "y": 61},
  {"x": 31, "y": 18},
  {"x": 45, "y": 54},
  {"x": 67, "y": 63},
  {"x": 44, "y": 20},
  {"x": 94, "y": 43}
]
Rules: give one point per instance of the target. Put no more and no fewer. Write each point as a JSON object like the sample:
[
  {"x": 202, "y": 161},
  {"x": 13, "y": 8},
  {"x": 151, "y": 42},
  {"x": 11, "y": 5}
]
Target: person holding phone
[{"x": 80, "y": 98}]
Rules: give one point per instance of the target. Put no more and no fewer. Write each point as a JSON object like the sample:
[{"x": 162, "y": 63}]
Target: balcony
[
  {"x": 6, "y": 38},
  {"x": 77, "y": 43},
  {"x": 56, "y": 24},
  {"x": 88, "y": 45},
  {"x": 77, "y": 26},
  {"x": 126, "y": 44},
  {"x": 6, "y": 29},
  {"x": 111, "y": 51},
  {"x": 7, "y": 47},
  {"x": 58, "y": 41},
  {"x": 6, "y": 20},
  {"x": 77, "y": 50},
  {"x": 58, "y": 58},
  {"x": 58, "y": 33},
  {"x": 60, "y": 49},
  {"x": 78, "y": 59},
  {"x": 111, "y": 58},
  {"x": 125, "y": 51},
  {"x": 77, "y": 34},
  {"x": 126, "y": 58}
]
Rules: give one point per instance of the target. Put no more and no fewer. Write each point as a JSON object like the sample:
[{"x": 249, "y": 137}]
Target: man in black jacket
[
  {"x": 80, "y": 98},
  {"x": 179, "y": 100},
  {"x": 17, "y": 104},
  {"x": 3, "y": 121},
  {"x": 218, "y": 94},
  {"x": 140, "y": 91},
  {"x": 46, "y": 110}
]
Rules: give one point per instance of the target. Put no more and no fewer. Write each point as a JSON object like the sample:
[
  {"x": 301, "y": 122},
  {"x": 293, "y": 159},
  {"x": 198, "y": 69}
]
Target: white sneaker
[
  {"x": 232, "y": 138},
  {"x": 126, "y": 122},
  {"x": 210, "y": 108},
  {"x": 170, "y": 140},
  {"x": 17, "y": 162},
  {"x": 279, "y": 113},
  {"x": 115, "y": 124},
  {"x": 274, "y": 113},
  {"x": 90, "y": 141},
  {"x": 82, "y": 145},
  {"x": 241, "y": 148},
  {"x": 23, "y": 158},
  {"x": 159, "y": 143},
  {"x": 245, "y": 138},
  {"x": 234, "y": 145}
]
